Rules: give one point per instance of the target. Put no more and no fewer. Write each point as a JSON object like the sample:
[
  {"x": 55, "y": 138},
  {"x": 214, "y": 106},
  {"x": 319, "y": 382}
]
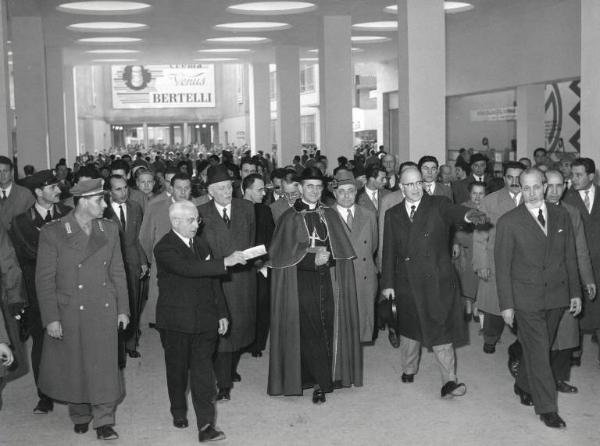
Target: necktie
[
  {"x": 4, "y": 197},
  {"x": 48, "y": 216},
  {"x": 191, "y": 243},
  {"x": 413, "y": 209},
  {"x": 516, "y": 200},
  {"x": 122, "y": 216},
  {"x": 541, "y": 218},
  {"x": 428, "y": 189},
  {"x": 226, "y": 218},
  {"x": 586, "y": 200},
  {"x": 375, "y": 200},
  {"x": 350, "y": 219}
]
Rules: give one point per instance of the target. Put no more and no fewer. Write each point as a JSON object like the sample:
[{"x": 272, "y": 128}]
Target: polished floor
[{"x": 383, "y": 412}]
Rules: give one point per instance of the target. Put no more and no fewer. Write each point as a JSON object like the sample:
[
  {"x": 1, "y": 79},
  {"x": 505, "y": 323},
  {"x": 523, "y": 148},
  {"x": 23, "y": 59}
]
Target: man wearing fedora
[
  {"x": 230, "y": 225},
  {"x": 311, "y": 256},
  {"x": 82, "y": 294},
  {"x": 360, "y": 225},
  {"x": 25, "y": 233}
]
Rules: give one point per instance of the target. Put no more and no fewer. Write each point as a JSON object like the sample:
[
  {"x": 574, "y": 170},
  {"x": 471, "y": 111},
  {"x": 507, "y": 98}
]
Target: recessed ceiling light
[
  {"x": 217, "y": 59},
  {"x": 109, "y": 39},
  {"x": 225, "y": 50},
  {"x": 104, "y": 7},
  {"x": 114, "y": 60},
  {"x": 253, "y": 26},
  {"x": 449, "y": 7},
  {"x": 10, "y": 53},
  {"x": 309, "y": 59},
  {"x": 107, "y": 26},
  {"x": 369, "y": 39},
  {"x": 272, "y": 8},
  {"x": 238, "y": 39},
  {"x": 354, "y": 50},
  {"x": 112, "y": 51},
  {"x": 387, "y": 25}
]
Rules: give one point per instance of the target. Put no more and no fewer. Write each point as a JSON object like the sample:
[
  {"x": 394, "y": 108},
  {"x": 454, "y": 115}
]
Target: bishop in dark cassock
[{"x": 315, "y": 336}]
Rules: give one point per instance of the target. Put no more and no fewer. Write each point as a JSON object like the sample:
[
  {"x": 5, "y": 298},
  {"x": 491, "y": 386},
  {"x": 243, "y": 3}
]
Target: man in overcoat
[
  {"x": 14, "y": 199},
  {"x": 25, "y": 233},
  {"x": 82, "y": 293},
  {"x": 230, "y": 225},
  {"x": 418, "y": 273},
  {"x": 537, "y": 278}
]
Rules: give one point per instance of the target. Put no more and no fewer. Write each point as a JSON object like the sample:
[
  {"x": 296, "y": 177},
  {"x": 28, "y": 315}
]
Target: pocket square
[
  {"x": 560, "y": 230},
  {"x": 207, "y": 257}
]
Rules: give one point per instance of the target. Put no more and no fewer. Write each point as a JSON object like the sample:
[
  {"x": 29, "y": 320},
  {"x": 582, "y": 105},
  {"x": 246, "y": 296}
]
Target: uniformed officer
[
  {"x": 25, "y": 232},
  {"x": 82, "y": 293}
]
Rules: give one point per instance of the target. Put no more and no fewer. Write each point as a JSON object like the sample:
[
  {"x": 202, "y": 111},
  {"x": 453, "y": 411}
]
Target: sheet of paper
[
  {"x": 255, "y": 251},
  {"x": 263, "y": 271}
]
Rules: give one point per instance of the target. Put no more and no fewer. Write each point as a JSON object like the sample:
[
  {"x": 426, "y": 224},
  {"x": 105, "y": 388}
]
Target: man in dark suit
[
  {"x": 290, "y": 194},
  {"x": 428, "y": 165},
  {"x": 25, "y": 233},
  {"x": 128, "y": 215},
  {"x": 190, "y": 314},
  {"x": 583, "y": 196},
  {"x": 418, "y": 273},
  {"x": 477, "y": 164},
  {"x": 247, "y": 167},
  {"x": 14, "y": 199},
  {"x": 254, "y": 191},
  {"x": 230, "y": 225},
  {"x": 373, "y": 192},
  {"x": 536, "y": 274}
]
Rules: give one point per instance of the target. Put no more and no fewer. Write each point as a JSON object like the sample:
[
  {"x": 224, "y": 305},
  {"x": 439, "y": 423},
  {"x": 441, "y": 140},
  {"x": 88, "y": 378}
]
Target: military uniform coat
[
  {"x": 18, "y": 201},
  {"x": 418, "y": 266},
  {"x": 81, "y": 282},
  {"x": 363, "y": 238},
  {"x": 239, "y": 285},
  {"x": 494, "y": 206},
  {"x": 590, "y": 319}
]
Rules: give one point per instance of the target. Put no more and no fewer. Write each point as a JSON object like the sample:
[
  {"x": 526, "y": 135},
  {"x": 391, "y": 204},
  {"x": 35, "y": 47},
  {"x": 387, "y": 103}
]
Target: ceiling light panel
[
  {"x": 224, "y": 50},
  {"x": 386, "y": 25},
  {"x": 104, "y": 7},
  {"x": 112, "y": 51},
  {"x": 253, "y": 26},
  {"x": 449, "y": 7},
  {"x": 109, "y": 39},
  {"x": 119, "y": 60},
  {"x": 272, "y": 8},
  {"x": 369, "y": 39},
  {"x": 106, "y": 26},
  {"x": 238, "y": 39}
]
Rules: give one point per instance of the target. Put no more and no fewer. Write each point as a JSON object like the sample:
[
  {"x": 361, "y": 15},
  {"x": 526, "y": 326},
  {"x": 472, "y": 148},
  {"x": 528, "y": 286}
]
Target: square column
[
  {"x": 6, "y": 124},
  {"x": 70, "y": 106},
  {"x": 421, "y": 79},
  {"x": 288, "y": 103},
  {"x": 260, "y": 108},
  {"x": 590, "y": 79},
  {"x": 336, "y": 87},
  {"x": 530, "y": 119},
  {"x": 56, "y": 104},
  {"x": 31, "y": 105}
]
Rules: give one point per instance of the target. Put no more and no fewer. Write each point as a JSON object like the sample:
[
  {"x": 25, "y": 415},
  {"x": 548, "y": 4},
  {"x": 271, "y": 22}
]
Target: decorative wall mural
[{"x": 563, "y": 100}]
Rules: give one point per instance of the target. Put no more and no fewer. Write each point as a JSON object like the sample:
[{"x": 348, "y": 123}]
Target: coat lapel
[
  {"x": 359, "y": 221},
  {"x": 530, "y": 224}
]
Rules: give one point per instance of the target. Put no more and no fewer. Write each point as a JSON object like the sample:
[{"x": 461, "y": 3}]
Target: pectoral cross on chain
[{"x": 313, "y": 238}]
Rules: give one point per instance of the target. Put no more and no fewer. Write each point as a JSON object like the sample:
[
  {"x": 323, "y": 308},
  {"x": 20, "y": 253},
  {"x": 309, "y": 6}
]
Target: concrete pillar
[
  {"x": 145, "y": 130},
  {"x": 590, "y": 79},
  {"x": 335, "y": 87},
  {"x": 30, "y": 92},
  {"x": 288, "y": 103},
  {"x": 260, "y": 108},
  {"x": 185, "y": 138},
  {"x": 530, "y": 119},
  {"x": 70, "y": 107},
  {"x": 6, "y": 125},
  {"x": 56, "y": 104},
  {"x": 421, "y": 79}
]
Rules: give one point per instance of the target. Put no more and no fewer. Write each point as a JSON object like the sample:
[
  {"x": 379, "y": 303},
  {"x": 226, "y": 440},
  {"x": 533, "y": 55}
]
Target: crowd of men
[{"x": 93, "y": 257}]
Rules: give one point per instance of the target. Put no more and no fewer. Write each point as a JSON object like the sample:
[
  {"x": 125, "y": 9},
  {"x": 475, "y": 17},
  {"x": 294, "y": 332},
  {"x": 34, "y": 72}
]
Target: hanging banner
[
  {"x": 494, "y": 114},
  {"x": 163, "y": 86}
]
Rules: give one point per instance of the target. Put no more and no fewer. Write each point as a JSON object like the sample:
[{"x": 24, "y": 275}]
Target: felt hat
[
  {"x": 477, "y": 157},
  {"x": 88, "y": 188},
  {"x": 216, "y": 174},
  {"x": 343, "y": 177}
]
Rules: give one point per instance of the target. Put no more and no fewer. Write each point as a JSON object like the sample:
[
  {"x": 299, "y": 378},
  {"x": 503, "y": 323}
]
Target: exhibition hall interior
[{"x": 87, "y": 79}]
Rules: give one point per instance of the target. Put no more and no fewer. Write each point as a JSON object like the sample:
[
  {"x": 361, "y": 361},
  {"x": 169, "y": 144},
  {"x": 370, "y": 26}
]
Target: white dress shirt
[
  {"x": 6, "y": 191},
  {"x": 535, "y": 212},
  {"x": 117, "y": 211},
  {"x": 591, "y": 194},
  {"x": 185, "y": 240},
  {"x": 344, "y": 212},
  {"x": 516, "y": 197},
  {"x": 220, "y": 209},
  {"x": 41, "y": 210},
  {"x": 430, "y": 187},
  {"x": 408, "y": 205}
]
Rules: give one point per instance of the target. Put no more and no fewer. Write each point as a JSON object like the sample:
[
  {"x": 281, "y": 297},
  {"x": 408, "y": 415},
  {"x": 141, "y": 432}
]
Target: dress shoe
[
  {"x": 564, "y": 387},
  {"x": 489, "y": 348},
  {"x": 44, "y": 406},
  {"x": 224, "y": 395},
  {"x": 525, "y": 397},
  {"x": 453, "y": 388},
  {"x": 236, "y": 377},
  {"x": 318, "y": 396},
  {"x": 81, "y": 428},
  {"x": 394, "y": 338},
  {"x": 576, "y": 361},
  {"x": 209, "y": 433},
  {"x": 551, "y": 419},
  {"x": 180, "y": 423},
  {"x": 256, "y": 354},
  {"x": 133, "y": 353},
  {"x": 408, "y": 377},
  {"x": 106, "y": 432}
]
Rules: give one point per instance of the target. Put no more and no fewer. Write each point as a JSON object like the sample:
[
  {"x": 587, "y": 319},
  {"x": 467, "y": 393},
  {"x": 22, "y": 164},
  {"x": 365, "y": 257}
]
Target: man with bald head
[
  {"x": 417, "y": 272},
  {"x": 392, "y": 182},
  {"x": 537, "y": 279}
]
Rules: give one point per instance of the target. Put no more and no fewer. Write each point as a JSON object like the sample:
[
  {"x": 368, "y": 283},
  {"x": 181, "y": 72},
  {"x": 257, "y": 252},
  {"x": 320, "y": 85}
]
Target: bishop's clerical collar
[{"x": 301, "y": 205}]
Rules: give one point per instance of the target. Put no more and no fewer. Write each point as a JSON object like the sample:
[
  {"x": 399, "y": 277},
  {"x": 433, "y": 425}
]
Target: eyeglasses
[
  {"x": 190, "y": 220},
  {"x": 417, "y": 185}
]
